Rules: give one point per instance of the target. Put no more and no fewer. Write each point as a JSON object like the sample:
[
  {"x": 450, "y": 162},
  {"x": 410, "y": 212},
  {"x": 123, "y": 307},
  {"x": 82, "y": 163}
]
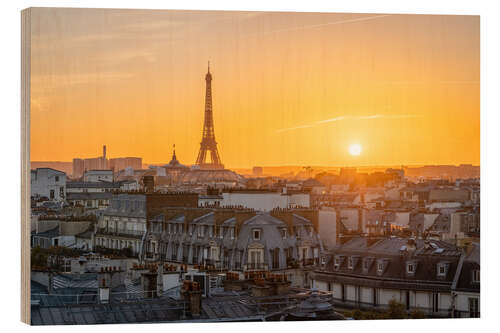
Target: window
[
  {"x": 221, "y": 232},
  {"x": 473, "y": 307},
  {"x": 52, "y": 194},
  {"x": 232, "y": 233},
  {"x": 283, "y": 233},
  {"x": 410, "y": 268},
  {"x": 380, "y": 267},
  {"x": 276, "y": 259},
  {"x": 435, "y": 302},
  {"x": 441, "y": 269},
  {"x": 57, "y": 178},
  {"x": 256, "y": 234},
  {"x": 475, "y": 276},
  {"x": 337, "y": 263},
  {"x": 350, "y": 263},
  {"x": 366, "y": 264}
]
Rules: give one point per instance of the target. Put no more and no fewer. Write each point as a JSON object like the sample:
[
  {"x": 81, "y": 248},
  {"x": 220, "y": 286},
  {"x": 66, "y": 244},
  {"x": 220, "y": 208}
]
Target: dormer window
[
  {"x": 231, "y": 233},
  {"x": 201, "y": 230},
  {"x": 337, "y": 262},
  {"x": 350, "y": 263},
  {"x": 410, "y": 268},
  {"x": 380, "y": 267},
  {"x": 283, "y": 233},
  {"x": 221, "y": 232},
  {"x": 256, "y": 234},
  {"x": 442, "y": 269},
  {"x": 169, "y": 228},
  {"x": 475, "y": 276}
]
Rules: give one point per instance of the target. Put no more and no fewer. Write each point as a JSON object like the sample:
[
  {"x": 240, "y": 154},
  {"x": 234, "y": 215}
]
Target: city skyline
[{"x": 288, "y": 88}]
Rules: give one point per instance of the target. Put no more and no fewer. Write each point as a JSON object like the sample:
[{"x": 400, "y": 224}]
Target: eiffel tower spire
[{"x": 208, "y": 145}]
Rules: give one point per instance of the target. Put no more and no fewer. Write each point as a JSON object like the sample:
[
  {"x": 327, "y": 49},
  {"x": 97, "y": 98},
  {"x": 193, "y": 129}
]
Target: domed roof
[
  {"x": 205, "y": 176},
  {"x": 174, "y": 163}
]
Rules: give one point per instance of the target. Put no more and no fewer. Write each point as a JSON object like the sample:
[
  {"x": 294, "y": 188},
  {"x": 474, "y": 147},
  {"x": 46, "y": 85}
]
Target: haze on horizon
[{"x": 288, "y": 88}]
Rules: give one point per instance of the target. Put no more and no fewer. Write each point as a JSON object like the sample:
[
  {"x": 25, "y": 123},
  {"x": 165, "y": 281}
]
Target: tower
[{"x": 208, "y": 143}]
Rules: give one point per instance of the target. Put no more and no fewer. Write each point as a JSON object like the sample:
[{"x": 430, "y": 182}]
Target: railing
[
  {"x": 121, "y": 232},
  {"x": 384, "y": 307},
  {"x": 255, "y": 267},
  {"x": 310, "y": 261}
]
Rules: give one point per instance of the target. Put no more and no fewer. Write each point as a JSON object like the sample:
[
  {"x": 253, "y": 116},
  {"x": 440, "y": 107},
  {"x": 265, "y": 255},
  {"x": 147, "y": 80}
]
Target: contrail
[
  {"x": 331, "y": 120},
  {"x": 325, "y": 24}
]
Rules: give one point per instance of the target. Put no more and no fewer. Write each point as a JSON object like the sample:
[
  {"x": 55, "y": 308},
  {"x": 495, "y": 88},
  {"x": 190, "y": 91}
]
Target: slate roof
[
  {"x": 89, "y": 196},
  {"x": 394, "y": 251},
  {"x": 109, "y": 185},
  {"x": 51, "y": 233}
]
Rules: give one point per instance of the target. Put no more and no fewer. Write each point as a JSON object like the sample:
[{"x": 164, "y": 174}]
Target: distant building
[
  {"x": 82, "y": 165},
  {"x": 257, "y": 171},
  {"x": 89, "y": 200},
  {"x": 348, "y": 175},
  {"x": 121, "y": 163},
  {"x": 48, "y": 183},
  {"x": 50, "y": 231},
  {"x": 237, "y": 239},
  {"x": 123, "y": 224},
  {"x": 265, "y": 200},
  {"x": 92, "y": 187},
  {"x": 98, "y": 175}
]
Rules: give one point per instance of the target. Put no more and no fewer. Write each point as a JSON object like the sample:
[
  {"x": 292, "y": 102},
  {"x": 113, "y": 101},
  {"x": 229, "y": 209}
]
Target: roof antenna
[{"x": 209, "y": 66}]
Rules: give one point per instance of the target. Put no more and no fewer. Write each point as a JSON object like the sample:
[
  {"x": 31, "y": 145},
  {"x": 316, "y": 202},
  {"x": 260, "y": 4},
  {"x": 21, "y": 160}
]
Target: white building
[
  {"x": 98, "y": 176},
  {"x": 263, "y": 200},
  {"x": 49, "y": 183}
]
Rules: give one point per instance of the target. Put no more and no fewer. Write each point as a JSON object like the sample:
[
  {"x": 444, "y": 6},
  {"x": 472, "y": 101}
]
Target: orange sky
[{"x": 288, "y": 88}]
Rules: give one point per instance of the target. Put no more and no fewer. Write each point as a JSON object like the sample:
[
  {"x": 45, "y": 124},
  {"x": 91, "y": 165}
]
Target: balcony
[
  {"x": 256, "y": 267},
  {"x": 151, "y": 256},
  {"x": 310, "y": 262},
  {"x": 121, "y": 233}
]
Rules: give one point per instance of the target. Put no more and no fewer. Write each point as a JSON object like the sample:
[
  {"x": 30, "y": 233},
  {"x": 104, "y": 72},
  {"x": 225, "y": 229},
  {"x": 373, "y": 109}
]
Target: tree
[{"x": 396, "y": 310}]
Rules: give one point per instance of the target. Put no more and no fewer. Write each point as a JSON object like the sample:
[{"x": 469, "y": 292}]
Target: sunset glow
[
  {"x": 355, "y": 149},
  {"x": 288, "y": 88}
]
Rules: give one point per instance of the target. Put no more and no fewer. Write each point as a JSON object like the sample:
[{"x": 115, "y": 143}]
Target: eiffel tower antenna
[{"x": 208, "y": 145}]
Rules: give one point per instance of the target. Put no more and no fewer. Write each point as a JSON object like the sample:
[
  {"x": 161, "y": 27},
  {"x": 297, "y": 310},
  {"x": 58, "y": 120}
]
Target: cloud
[{"x": 339, "y": 118}]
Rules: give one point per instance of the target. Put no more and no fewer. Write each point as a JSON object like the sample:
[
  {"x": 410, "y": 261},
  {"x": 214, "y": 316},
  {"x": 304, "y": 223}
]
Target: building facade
[
  {"x": 368, "y": 273},
  {"x": 48, "y": 183}
]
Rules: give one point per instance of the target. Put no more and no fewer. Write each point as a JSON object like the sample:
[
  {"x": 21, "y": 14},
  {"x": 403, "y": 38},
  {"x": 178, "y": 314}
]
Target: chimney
[
  {"x": 149, "y": 183},
  {"x": 149, "y": 284},
  {"x": 159, "y": 280},
  {"x": 50, "y": 287},
  {"x": 411, "y": 245},
  {"x": 104, "y": 281}
]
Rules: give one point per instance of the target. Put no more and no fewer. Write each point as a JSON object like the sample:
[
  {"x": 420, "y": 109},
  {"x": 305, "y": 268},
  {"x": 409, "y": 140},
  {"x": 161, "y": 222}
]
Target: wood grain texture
[{"x": 25, "y": 163}]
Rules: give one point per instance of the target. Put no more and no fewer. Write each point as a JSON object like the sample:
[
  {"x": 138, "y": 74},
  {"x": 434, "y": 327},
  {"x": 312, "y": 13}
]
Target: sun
[{"x": 355, "y": 149}]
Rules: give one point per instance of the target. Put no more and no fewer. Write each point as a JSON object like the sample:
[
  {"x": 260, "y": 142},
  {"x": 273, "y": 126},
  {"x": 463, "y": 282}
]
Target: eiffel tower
[{"x": 208, "y": 143}]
